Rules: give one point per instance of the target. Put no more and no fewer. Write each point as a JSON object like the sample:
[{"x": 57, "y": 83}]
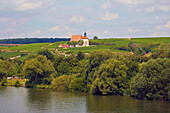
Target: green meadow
[{"x": 102, "y": 45}]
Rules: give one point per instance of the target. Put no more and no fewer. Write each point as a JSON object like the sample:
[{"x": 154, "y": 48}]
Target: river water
[{"x": 24, "y": 100}]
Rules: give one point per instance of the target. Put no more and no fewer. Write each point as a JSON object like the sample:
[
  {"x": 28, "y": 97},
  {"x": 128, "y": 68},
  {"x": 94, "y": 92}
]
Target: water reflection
[
  {"x": 55, "y": 102},
  {"x": 119, "y": 104},
  {"x": 38, "y": 99},
  {"x": 23, "y": 100}
]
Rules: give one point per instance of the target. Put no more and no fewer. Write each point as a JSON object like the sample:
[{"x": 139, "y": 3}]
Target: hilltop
[{"x": 138, "y": 46}]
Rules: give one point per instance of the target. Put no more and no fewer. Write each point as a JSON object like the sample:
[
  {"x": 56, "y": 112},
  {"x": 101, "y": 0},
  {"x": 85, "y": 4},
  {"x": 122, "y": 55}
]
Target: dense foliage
[
  {"x": 153, "y": 80},
  {"x": 99, "y": 73},
  {"x": 39, "y": 71},
  {"x": 32, "y": 40}
]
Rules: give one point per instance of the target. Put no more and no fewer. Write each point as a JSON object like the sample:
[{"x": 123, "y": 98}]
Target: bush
[
  {"x": 29, "y": 84},
  {"x": 17, "y": 83},
  {"x": 152, "y": 81},
  {"x": 77, "y": 85},
  {"x": 95, "y": 38},
  {"x": 60, "y": 83},
  {"x": 41, "y": 86},
  {"x": 4, "y": 81},
  {"x": 110, "y": 78},
  {"x": 80, "y": 55}
]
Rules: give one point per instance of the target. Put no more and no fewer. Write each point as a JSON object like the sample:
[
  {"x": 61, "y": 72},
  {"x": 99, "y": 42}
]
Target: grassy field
[
  {"x": 104, "y": 44},
  {"x": 11, "y": 54}
]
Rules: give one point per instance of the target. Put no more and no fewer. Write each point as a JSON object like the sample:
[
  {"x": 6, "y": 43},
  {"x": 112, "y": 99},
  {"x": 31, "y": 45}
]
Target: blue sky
[{"x": 104, "y": 18}]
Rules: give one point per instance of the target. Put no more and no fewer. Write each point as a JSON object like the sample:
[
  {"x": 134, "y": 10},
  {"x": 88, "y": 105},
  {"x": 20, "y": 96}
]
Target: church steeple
[{"x": 85, "y": 34}]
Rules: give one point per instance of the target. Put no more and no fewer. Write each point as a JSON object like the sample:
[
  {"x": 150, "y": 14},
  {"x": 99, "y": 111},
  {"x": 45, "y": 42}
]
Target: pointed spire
[{"x": 85, "y": 34}]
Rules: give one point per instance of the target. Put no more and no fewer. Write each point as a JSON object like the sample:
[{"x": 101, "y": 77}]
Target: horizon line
[{"x": 92, "y": 38}]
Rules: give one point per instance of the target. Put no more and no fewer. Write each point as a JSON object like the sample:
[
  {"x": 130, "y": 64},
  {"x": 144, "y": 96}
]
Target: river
[{"x": 24, "y": 100}]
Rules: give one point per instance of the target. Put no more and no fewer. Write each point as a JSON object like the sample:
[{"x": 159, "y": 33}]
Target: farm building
[
  {"x": 64, "y": 46},
  {"x": 61, "y": 45},
  {"x": 80, "y": 37}
]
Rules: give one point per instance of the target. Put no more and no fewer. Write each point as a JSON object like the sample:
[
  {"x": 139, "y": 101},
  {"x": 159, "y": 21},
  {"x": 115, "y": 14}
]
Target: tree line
[
  {"x": 32, "y": 40},
  {"x": 99, "y": 73}
]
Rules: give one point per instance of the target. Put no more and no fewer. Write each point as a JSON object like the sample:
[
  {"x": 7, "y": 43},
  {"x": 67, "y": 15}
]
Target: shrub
[
  {"x": 60, "y": 83},
  {"x": 77, "y": 85},
  {"x": 110, "y": 78},
  {"x": 17, "y": 83},
  {"x": 4, "y": 81},
  {"x": 29, "y": 84},
  {"x": 152, "y": 81}
]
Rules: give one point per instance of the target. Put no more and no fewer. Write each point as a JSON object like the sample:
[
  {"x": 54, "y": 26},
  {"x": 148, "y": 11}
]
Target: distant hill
[{"x": 32, "y": 40}]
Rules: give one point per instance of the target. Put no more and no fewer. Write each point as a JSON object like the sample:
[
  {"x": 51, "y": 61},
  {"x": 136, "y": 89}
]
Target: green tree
[
  {"x": 130, "y": 44},
  {"x": 147, "y": 49},
  {"x": 81, "y": 42},
  {"x": 80, "y": 55},
  {"x": 60, "y": 83},
  {"x": 58, "y": 61},
  {"x": 161, "y": 54},
  {"x": 77, "y": 85},
  {"x": 152, "y": 81},
  {"x": 95, "y": 59},
  {"x": 110, "y": 78},
  {"x": 7, "y": 68},
  {"x": 4, "y": 81},
  {"x": 63, "y": 69},
  {"x": 46, "y": 53},
  {"x": 39, "y": 70},
  {"x": 74, "y": 43},
  {"x": 95, "y": 38},
  {"x": 17, "y": 83}
]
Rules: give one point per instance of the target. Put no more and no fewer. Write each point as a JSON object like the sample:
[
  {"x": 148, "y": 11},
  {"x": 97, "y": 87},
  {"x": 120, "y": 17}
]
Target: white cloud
[
  {"x": 130, "y": 30},
  {"x": 10, "y": 30},
  {"x": 69, "y": 34},
  {"x": 110, "y": 16},
  {"x": 167, "y": 25},
  {"x": 165, "y": 8},
  {"x": 106, "y": 5},
  {"x": 150, "y": 9},
  {"x": 59, "y": 28},
  {"x": 135, "y": 2},
  {"x": 163, "y": 33},
  {"x": 93, "y": 32},
  {"x": 157, "y": 18},
  {"x": 77, "y": 20},
  {"x": 105, "y": 32},
  {"x": 29, "y": 6},
  {"x": 55, "y": 28},
  {"x": 66, "y": 28},
  {"x": 3, "y": 19},
  {"x": 158, "y": 27},
  {"x": 36, "y": 32}
]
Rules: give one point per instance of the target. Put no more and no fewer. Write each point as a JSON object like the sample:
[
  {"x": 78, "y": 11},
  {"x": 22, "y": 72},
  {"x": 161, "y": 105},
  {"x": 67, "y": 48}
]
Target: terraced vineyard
[{"x": 101, "y": 45}]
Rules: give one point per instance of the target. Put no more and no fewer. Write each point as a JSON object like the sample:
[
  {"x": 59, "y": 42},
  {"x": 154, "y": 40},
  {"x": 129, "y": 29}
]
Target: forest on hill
[
  {"x": 98, "y": 73},
  {"x": 32, "y": 40}
]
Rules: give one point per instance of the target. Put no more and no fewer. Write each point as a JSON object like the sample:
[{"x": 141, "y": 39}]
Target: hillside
[{"x": 117, "y": 45}]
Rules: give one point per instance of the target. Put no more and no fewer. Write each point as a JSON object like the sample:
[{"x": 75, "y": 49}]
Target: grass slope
[{"x": 104, "y": 44}]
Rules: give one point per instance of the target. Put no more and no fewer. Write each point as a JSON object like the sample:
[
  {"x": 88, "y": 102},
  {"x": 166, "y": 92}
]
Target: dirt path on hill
[
  {"x": 159, "y": 47},
  {"x": 42, "y": 47}
]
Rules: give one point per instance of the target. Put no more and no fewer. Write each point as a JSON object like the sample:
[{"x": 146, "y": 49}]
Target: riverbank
[{"x": 13, "y": 82}]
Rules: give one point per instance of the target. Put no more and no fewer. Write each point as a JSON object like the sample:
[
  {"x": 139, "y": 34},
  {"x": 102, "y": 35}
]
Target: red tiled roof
[
  {"x": 84, "y": 37},
  {"x": 66, "y": 46},
  {"x": 75, "y": 38}
]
